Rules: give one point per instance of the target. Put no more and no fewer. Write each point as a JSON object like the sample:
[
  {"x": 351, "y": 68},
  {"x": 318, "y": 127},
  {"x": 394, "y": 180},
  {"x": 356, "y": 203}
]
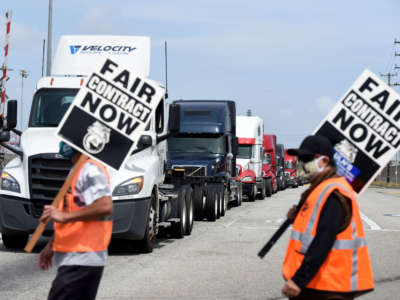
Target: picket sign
[
  {"x": 364, "y": 128},
  {"x": 59, "y": 197},
  {"x": 110, "y": 113}
]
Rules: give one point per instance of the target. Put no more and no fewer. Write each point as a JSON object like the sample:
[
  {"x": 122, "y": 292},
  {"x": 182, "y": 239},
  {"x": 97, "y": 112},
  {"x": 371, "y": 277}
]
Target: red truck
[
  {"x": 290, "y": 170},
  {"x": 269, "y": 164}
]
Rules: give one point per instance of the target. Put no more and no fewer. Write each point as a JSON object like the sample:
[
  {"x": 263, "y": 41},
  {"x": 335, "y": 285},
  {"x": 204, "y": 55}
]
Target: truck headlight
[
  {"x": 9, "y": 183},
  {"x": 247, "y": 178},
  {"x": 129, "y": 187}
]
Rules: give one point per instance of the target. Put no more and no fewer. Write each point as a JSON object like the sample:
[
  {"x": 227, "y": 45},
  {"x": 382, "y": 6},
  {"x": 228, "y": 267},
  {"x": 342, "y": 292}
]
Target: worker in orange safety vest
[
  {"x": 327, "y": 256},
  {"x": 82, "y": 231}
]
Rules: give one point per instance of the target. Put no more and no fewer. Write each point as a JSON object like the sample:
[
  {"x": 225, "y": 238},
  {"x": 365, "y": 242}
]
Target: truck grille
[
  {"x": 193, "y": 171},
  {"x": 47, "y": 173}
]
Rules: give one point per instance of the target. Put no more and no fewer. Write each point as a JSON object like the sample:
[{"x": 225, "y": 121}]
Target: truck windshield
[
  {"x": 267, "y": 159},
  {"x": 197, "y": 144},
  {"x": 49, "y": 106},
  {"x": 289, "y": 164},
  {"x": 244, "y": 151}
]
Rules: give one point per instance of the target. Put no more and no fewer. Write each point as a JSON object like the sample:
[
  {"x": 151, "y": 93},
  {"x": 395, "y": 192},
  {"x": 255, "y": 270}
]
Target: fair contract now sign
[
  {"x": 110, "y": 113},
  {"x": 364, "y": 127}
]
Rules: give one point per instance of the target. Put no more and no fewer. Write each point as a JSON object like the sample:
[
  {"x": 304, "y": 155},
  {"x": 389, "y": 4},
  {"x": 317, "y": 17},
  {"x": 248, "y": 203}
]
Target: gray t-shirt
[{"x": 91, "y": 185}]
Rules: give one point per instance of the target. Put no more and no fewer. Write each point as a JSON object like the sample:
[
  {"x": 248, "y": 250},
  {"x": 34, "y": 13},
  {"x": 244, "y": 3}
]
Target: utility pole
[
  {"x": 24, "y": 74},
  {"x": 49, "y": 38},
  {"x": 389, "y": 76}
]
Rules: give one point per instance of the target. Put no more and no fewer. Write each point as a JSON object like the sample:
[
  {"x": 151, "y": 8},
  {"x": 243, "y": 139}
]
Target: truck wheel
[
  {"x": 178, "y": 229},
  {"x": 262, "y": 192},
  {"x": 15, "y": 241},
  {"x": 149, "y": 239},
  {"x": 268, "y": 187},
  {"x": 225, "y": 199},
  {"x": 189, "y": 210},
  {"x": 221, "y": 206},
  {"x": 253, "y": 193},
  {"x": 279, "y": 184},
  {"x": 240, "y": 195},
  {"x": 275, "y": 187},
  {"x": 212, "y": 204},
  {"x": 199, "y": 197}
]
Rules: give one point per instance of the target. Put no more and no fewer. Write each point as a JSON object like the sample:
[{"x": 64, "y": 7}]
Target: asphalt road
[{"x": 218, "y": 261}]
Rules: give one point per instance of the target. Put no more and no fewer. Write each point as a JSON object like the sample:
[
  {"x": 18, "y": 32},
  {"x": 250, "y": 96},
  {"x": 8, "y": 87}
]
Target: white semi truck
[
  {"x": 142, "y": 203},
  {"x": 250, "y": 133}
]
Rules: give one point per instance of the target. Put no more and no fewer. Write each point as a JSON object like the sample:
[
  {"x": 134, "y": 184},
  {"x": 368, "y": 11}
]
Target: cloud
[
  {"x": 323, "y": 105},
  {"x": 286, "y": 113},
  {"x": 98, "y": 20}
]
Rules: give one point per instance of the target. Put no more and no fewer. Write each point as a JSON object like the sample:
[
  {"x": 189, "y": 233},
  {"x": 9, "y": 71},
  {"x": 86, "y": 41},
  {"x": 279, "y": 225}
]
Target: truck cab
[
  {"x": 290, "y": 170},
  {"x": 250, "y": 132},
  {"x": 33, "y": 178},
  {"x": 280, "y": 166},
  {"x": 203, "y": 154},
  {"x": 269, "y": 163}
]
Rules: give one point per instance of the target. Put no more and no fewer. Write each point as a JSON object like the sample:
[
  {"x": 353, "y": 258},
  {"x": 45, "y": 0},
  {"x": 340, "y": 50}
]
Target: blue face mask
[{"x": 66, "y": 150}]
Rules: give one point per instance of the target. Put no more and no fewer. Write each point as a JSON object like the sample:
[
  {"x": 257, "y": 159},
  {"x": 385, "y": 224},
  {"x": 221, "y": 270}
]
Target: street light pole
[
  {"x": 49, "y": 38},
  {"x": 24, "y": 74}
]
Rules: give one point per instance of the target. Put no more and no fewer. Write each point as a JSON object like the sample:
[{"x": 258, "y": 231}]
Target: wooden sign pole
[{"x": 60, "y": 195}]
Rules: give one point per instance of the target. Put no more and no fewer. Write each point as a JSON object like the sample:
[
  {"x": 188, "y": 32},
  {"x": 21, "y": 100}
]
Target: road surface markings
[
  {"x": 371, "y": 224},
  {"x": 392, "y": 215},
  {"x": 230, "y": 224}
]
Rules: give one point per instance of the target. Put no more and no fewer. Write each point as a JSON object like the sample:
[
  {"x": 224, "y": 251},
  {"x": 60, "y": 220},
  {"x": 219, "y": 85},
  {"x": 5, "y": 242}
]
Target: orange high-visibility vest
[
  {"x": 81, "y": 236},
  {"x": 347, "y": 267}
]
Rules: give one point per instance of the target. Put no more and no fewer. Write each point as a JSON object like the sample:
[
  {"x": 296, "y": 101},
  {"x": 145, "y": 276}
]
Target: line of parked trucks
[{"x": 198, "y": 157}]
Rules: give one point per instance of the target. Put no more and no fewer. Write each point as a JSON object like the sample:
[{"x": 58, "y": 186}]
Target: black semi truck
[{"x": 202, "y": 154}]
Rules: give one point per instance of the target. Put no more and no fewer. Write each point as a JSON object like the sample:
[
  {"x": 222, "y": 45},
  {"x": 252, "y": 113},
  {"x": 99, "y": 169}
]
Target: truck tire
[
  {"x": 198, "y": 196},
  {"x": 225, "y": 199},
  {"x": 240, "y": 195},
  {"x": 275, "y": 188},
  {"x": 212, "y": 204},
  {"x": 178, "y": 229},
  {"x": 261, "y": 196},
  {"x": 279, "y": 184},
  {"x": 253, "y": 193},
  {"x": 189, "y": 210},
  {"x": 268, "y": 187},
  {"x": 15, "y": 241},
  {"x": 149, "y": 239}
]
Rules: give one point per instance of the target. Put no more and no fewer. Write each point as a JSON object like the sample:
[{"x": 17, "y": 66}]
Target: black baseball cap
[{"x": 312, "y": 145}]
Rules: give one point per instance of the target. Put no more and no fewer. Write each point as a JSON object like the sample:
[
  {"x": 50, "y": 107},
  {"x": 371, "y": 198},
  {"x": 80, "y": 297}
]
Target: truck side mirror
[
  {"x": 4, "y": 136},
  {"x": 174, "y": 118},
  {"x": 145, "y": 141},
  {"x": 11, "y": 114}
]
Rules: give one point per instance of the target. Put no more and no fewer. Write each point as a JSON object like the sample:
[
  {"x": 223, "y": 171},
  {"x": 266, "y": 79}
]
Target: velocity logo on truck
[{"x": 95, "y": 49}]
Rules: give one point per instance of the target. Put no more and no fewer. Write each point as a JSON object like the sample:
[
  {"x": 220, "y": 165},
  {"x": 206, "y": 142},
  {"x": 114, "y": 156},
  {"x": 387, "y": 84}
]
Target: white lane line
[
  {"x": 371, "y": 224},
  {"x": 231, "y": 223}
]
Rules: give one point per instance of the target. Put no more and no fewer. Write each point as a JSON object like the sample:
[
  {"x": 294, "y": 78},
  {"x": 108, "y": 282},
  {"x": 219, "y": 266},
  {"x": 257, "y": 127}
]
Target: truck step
[
  {"x": 166, "y": 195},
  {"x": 164, "y": 224},
  {"x": 174, "y": 220}
]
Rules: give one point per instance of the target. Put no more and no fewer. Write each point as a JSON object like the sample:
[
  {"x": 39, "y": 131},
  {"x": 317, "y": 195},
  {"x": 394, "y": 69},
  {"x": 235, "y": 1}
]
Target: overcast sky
[{"x": 287, "y": 61}]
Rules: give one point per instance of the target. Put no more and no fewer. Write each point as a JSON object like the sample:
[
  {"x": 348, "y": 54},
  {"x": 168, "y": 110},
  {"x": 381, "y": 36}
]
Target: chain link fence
[{"x": 390, "y": 174}]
